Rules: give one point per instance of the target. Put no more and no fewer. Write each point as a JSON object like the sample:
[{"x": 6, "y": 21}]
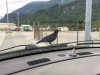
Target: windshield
[{"x": 43, "y": 23}]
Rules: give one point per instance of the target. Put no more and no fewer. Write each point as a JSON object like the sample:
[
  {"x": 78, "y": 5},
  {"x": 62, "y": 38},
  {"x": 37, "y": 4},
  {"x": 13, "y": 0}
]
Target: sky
[{"x": 13, "y": 5}]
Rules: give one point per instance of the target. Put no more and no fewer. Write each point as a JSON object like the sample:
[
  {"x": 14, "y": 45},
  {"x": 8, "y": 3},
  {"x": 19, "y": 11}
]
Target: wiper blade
[
  {"x": 11, "y": 47},
  {"x": 55, "y": 45},
  {"x": 29, "y": 46}
]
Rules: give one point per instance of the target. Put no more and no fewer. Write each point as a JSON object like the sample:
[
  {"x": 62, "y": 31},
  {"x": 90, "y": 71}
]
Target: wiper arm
[
  {"x": 56, "y": 45},
  {"x": 29, "y": 46}
]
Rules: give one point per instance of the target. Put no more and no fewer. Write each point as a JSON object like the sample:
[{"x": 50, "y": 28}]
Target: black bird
[{"x": 50, "y": 38}]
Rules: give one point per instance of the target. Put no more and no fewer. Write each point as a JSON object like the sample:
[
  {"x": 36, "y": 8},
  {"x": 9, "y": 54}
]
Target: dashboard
[{"x": 54, "y": 63}]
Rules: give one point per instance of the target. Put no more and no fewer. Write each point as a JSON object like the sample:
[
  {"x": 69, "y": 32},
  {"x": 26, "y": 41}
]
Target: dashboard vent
[
  {"x": 84, "y": 53},
  {"x": 34, "y": 62}
]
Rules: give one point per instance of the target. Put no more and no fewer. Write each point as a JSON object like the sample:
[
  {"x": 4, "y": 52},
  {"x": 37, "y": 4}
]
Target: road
[
  {"x": 14, "y": 39},
  {"x": 22, "y": 38},
  {"x": 19, "y": 39},
  {"x": 2, "y": 35},
  {"x": 63, "y": 37},
  {"x": 70, "y": 36},
  {"x": 7, "y": 42},
  {"x": 30, "y": 36}
]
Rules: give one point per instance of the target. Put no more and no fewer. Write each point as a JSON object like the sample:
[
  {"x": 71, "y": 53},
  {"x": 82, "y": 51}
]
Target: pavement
[
  {"x": 63, "y": 37},
  {"x": 7, "y": 42},
  {"x": 2, "y": 35},
  {"x": 13, "y": 39},
  {"x": 30, "y": 36},
  {"x": 19, "y": 39},
  {"x": 24, "y": 38}
]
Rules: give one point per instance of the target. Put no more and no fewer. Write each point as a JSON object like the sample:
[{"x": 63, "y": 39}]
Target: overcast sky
[{"x": 13, "y": 5}]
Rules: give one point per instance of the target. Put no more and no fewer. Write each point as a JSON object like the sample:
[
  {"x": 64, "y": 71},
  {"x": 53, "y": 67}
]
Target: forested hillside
[
  {"x": 33, "y": 7},
  {"x": 63, "y": 14}
]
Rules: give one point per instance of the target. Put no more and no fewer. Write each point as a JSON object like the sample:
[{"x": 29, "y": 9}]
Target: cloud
[
  {"x": 2, "y": 4},
  {"x": 14, "y": 5},
  {"x": 19, "y": 1}
]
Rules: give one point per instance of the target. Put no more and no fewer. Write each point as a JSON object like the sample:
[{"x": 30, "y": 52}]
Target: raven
[{"x": 50, "y": 38}]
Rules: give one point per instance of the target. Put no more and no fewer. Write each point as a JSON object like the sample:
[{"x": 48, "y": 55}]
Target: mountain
[
  {"x": 66, "y": 14},
  {"x": 40, "y": 5},
  {"x": 61, "y": 13},
  {"x": 29, "y": 7},
  {"x": 33, "y": 7}
]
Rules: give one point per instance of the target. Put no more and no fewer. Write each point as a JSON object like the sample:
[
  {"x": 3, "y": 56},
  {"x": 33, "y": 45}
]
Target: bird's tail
[{"x": 38, "y": 42}]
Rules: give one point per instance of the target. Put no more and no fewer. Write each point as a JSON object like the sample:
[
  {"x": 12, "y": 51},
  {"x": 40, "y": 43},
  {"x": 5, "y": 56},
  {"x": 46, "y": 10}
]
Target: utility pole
[
  {"x": 57, "y": 35},
  {"x": 99, "y": 31},
  {"x": 77, "y": 32},
  {"x": 79, "y": 22},
  {"x": 7, "y": 13},
  {"x": 88, "y": 20},
  {"x": 18, "y": 18}
]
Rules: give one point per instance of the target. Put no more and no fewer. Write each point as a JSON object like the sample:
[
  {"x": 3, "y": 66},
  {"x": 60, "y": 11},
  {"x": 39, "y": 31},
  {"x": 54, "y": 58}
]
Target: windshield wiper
[{"x": 29, "y": 46}]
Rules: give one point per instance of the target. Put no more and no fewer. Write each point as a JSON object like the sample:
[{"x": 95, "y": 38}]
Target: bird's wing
[
  {"x": 48, "y": 37},
  {"x": 45, "y": 39}
]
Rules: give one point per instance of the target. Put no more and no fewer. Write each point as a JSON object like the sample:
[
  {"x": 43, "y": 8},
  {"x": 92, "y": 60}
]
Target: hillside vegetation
[
  {"x": 63, "y": 14},
  {"x": 31, "y": 8}
]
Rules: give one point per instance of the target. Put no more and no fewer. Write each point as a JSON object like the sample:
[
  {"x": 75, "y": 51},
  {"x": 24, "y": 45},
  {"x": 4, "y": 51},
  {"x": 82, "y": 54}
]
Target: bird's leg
[{"x": 50, "y": 43}]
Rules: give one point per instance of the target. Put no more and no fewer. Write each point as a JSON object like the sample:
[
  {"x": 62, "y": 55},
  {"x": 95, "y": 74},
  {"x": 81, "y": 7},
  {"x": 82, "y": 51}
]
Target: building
[{"x": 6, "y": 26}]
